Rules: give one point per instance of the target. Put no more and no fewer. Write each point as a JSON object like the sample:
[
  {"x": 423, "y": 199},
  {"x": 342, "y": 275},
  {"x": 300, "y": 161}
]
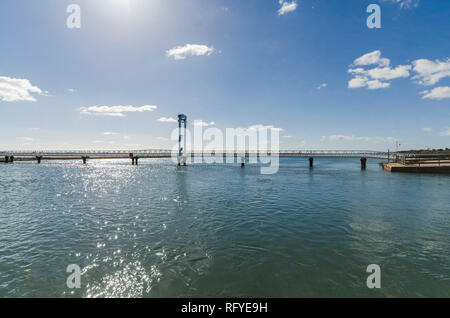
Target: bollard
[
  {"x": 311, "y": 162},
  {"x": 363, "y": 163}
]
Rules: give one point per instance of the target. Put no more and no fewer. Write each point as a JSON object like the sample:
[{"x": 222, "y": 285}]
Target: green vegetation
[{"x": 445, "y": 151}]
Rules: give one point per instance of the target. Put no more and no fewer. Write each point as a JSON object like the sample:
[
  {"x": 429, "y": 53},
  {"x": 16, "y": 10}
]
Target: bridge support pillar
[
  {"x": 363, "y": 163},
  {"x": 38, "y": 159},
  {"x": 6, "y": 159},
  {"x": 11, "y": 159},
  {"x": 84, "y": 158},
  {"x": 311, "y": 162},
  {"x": 242, "y": 162}
]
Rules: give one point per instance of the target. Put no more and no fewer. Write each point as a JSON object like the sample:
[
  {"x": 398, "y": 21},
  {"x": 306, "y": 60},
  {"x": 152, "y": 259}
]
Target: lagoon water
[{"x": 157, "y": 230}]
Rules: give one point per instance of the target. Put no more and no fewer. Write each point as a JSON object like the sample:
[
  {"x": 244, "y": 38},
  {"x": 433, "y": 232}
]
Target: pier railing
[
  {"x": 422, "y": 159},
  {"x": 164, "y": 153}
]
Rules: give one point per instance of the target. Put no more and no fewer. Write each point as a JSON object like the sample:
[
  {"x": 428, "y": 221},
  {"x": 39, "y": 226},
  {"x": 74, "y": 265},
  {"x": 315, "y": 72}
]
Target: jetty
[
  {"x": 419, "y": 163},
  {"x": 134, "y": 155}
]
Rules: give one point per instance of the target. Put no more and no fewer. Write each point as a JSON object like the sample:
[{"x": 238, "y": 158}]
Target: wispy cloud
[
  {"x": 378, "y": 76},
  {"x": 427, "y": 129},
  {"x": 72, "y": 90},
  {"x": 286, "y": 7},
  {"x": 15, "y": 89},
  {"x": 323, "y": 85},
  {"x": 445, "y": 133},
  {"x": 115, "y": 111},
  {"x": 167, "y": 120},
  {"x": 354, "y": 138},
  {"x": 25, "y": 138},
  {"x": 405, "y": 4},
  {"x": 263, "y": 127},
  {"x": 203, "y": 124},
  {"x": 181, "y": 52}
]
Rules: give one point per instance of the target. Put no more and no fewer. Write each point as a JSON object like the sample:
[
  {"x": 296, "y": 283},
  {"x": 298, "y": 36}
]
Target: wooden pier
[{"x": 419, "y": 163}]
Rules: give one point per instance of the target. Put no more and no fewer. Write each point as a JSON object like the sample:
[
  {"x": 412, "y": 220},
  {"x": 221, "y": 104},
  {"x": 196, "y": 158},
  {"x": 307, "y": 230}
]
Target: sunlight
[{"x": 122, "y": 5}]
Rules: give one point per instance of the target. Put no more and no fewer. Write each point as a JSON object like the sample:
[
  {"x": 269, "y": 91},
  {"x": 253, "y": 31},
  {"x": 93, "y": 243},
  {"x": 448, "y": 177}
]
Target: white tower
[{"x": 182, "y": 119}]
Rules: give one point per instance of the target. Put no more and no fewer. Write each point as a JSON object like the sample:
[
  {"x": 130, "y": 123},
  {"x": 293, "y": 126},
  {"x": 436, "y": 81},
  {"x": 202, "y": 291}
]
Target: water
[{"x": 157, "y": 230}]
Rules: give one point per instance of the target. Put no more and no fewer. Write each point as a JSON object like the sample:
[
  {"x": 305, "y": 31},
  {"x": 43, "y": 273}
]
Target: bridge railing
[{"x": 167, "y": 152}]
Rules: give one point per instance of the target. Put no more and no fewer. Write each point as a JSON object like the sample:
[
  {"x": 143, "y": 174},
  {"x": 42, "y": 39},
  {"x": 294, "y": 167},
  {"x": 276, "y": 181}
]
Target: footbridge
[{"x": 39, "y": 155}]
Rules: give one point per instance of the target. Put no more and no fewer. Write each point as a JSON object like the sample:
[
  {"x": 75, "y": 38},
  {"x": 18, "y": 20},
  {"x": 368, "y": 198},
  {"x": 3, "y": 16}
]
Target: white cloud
[
  {"x": 437, "y": 93},
  {"x": 262, "y": 127},
  {"x": 354, "y": 138},
  {"x": 323, "y": 85},
  {"x": 287, "y": 7},
  {"x": 378, "y": 76},
  {"x": 25, "y": 138},
  {"x": 72, "y": 90},
  {"x": 15, "y": 89},
  {"x": 372, "y": 58},
  {"x": 405, "y": 4},
  {"x": 427, "y": 129},
  {"x": 167, "y": 120},
  {"x": 116, "y": 111},
  {"x": 445, "y": 133},
  {"x": 181, "y": 52},
  {"x": 110, "y": 133},
  {"x": 203, "y": 124},
  {"x": 429, "y": 72},
  {"x": 287, "y": 137},
  {"x": 387, "y": 73},
  {"x": 360, "y": 81}
]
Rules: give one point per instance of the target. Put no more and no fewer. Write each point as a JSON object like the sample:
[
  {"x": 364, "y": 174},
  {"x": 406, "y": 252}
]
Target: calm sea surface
[{"x": 157, "y": 230}]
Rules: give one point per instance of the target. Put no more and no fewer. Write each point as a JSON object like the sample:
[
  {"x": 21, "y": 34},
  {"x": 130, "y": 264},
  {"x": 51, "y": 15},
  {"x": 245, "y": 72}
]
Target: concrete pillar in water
[
  {"x": 363, "y": 163},
  {"x": 311, "y": 162},
  {"x": 242, "y": 161},
  {"x": 38, "y": 158},
  {"x": 11, "y": 159},
  {"x": 84, "y": 159},
  {"x": 136, "y": 160},
  {"x": 6, "y": 159}
]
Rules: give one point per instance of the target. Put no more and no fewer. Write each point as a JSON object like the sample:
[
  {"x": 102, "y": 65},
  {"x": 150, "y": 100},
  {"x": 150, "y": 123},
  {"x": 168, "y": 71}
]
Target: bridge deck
[{"x": 97, "y": 155}]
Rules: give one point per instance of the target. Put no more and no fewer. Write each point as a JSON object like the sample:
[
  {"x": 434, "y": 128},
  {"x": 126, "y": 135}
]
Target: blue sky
[{"x": 230, "y": 63}]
